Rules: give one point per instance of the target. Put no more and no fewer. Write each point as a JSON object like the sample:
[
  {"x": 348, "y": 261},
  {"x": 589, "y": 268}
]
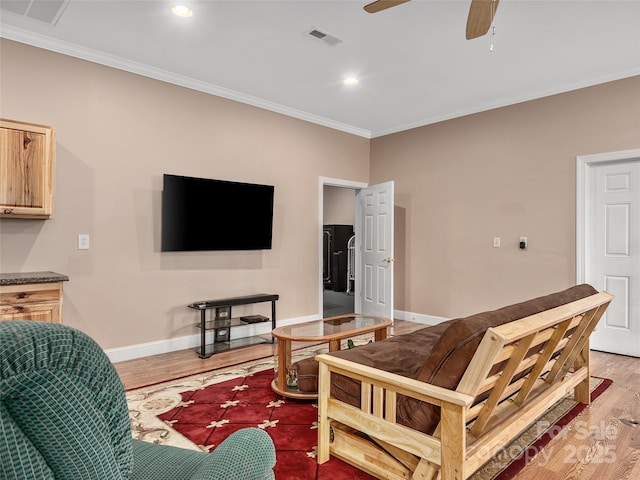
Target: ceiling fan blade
[
  {"x": 378, "y": 5},
  {"x": 481, "y": 14}
]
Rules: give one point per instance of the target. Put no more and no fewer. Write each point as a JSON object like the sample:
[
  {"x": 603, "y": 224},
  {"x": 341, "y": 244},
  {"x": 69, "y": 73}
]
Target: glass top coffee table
[{"x": 329, "y": 330}]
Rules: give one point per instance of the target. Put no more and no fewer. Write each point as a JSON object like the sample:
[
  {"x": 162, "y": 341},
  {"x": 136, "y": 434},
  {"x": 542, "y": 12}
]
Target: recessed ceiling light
[
  {"x": 350, "y": 81},
  {"x": 182, "y": 11}
]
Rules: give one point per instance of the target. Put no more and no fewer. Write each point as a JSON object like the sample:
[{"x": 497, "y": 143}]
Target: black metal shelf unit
[{"x": 222, "y": 322}]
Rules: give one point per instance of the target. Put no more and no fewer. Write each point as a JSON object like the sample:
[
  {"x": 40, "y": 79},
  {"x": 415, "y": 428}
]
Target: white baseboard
[
  {"x": 418, "y": 317},
  {"x": 131, "y": 352}
]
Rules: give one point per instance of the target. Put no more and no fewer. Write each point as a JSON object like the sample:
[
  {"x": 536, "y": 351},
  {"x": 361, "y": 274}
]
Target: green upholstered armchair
[{"x": 64, "y": 416}]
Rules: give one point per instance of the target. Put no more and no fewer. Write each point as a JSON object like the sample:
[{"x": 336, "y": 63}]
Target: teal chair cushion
[
  {"x": 228, "y": 461},
  {"x": 27, "y": 463},
  {"x": 63, "y": 393},
  {"x": 63, "y": 416},
  {"x": 79, "y": 430}
]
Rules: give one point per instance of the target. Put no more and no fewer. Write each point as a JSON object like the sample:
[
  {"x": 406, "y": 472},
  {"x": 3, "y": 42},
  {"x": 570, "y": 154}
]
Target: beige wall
[
  {"x": 339, "y": 206},
  {"x": 508, "y": 172},
  {"x": 117, "y": 133}
]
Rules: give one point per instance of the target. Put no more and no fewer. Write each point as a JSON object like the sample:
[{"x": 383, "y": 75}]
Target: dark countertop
[{"x": 31, "y": 277}]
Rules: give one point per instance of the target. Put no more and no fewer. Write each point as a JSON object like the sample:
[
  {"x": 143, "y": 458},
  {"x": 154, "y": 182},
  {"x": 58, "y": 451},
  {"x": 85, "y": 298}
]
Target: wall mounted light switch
[{"x": 83, "y": 241}]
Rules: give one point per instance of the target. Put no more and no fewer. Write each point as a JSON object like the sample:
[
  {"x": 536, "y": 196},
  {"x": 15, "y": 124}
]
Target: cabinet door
[
  {"x": 44, "y": 312},
  {"x": 26, "y": 170}
]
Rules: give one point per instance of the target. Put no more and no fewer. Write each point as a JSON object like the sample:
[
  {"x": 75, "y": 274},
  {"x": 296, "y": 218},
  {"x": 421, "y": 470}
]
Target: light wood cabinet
[
  {"x": 27, "y": 169},
  {"x": 33, "y": 301}
]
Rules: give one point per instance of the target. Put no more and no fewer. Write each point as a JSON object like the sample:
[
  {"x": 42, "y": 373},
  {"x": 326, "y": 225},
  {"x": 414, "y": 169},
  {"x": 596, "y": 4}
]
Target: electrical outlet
[
  {"x": 524, "y": 243},
  {"x": 83, "y": 241}
]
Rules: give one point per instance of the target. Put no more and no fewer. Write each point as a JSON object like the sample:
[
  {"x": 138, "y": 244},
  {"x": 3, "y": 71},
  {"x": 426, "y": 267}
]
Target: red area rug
[
  {"x": 201, "y": 411},
  {"x": 208, "y": 416}
]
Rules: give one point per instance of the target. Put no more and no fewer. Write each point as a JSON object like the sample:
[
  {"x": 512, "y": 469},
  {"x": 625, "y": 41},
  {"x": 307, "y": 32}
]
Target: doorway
[
  {"x": 338, "y": 249},
  {"x": 608, "y": 234},
  {"x": 372, "y": 208}
]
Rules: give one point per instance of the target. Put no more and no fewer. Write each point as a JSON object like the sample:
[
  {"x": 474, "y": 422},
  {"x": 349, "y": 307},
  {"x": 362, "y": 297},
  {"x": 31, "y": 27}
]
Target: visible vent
[
  {"x": 317, "y": 34},
  {"x": 47, "y": 11},
  {"x": 324, "y": 37}
]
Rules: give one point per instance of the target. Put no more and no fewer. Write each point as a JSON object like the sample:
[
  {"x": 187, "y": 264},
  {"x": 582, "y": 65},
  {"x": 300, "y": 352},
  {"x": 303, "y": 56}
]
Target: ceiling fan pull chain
[
  {"x": 493, "y": 34},
  {"x": 493, "y": 27}
]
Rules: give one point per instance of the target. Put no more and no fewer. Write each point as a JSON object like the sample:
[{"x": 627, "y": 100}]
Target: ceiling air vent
[
  {"x": 324, "y": 37},
  {"x": 47, "y": 11}
]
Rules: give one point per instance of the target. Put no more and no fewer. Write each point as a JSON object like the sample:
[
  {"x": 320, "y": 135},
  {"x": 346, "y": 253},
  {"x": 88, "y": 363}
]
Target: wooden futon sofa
[{"x": 439, "y": 402}]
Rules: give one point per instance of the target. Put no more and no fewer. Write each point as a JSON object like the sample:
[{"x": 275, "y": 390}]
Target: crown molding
[
  {"x": 48, "y": 43},
  {"x": 538, "y": 94}
]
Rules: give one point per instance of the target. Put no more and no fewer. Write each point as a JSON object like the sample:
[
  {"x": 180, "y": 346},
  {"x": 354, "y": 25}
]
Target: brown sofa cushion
[
  {"x": 403, "y": 355},
  {"x": 444, "y": 352}
]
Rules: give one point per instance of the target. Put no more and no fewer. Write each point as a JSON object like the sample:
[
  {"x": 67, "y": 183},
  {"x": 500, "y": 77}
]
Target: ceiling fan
[{"x": 481, "y": 13}]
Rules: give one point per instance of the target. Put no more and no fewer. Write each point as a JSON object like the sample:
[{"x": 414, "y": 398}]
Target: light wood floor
[
  {"x": 596, "y": 445},
  {"x": 158, "y": 368}
]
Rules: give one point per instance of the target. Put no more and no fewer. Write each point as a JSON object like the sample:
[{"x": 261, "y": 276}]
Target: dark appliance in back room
[{"x": 335, "y": 239}]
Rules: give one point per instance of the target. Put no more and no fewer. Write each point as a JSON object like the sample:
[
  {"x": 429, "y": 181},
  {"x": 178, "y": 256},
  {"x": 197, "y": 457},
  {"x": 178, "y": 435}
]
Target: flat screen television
[{"x": 200, "y": 214}]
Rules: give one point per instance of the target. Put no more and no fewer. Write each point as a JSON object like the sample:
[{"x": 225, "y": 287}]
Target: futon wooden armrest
[{"x": 397, "y": 383}]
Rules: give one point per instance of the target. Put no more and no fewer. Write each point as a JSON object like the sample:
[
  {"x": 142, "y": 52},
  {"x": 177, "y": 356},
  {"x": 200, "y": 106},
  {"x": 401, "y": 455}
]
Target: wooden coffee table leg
[
  {"x": 380, "y": 334},
  {"x": 284, "y": 362},
  {"x": 334, "y": 345}
]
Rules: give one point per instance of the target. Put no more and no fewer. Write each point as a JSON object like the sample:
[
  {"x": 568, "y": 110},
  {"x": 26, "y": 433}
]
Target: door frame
[
  {"x": 332, "y": 182},
  {"x": 583, "y": 166}
]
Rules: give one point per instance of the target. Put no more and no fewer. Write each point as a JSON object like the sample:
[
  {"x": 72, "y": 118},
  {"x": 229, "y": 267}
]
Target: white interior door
[
  {"x": 374, "y": 250},
  {"x": 613, "y": 252}
]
